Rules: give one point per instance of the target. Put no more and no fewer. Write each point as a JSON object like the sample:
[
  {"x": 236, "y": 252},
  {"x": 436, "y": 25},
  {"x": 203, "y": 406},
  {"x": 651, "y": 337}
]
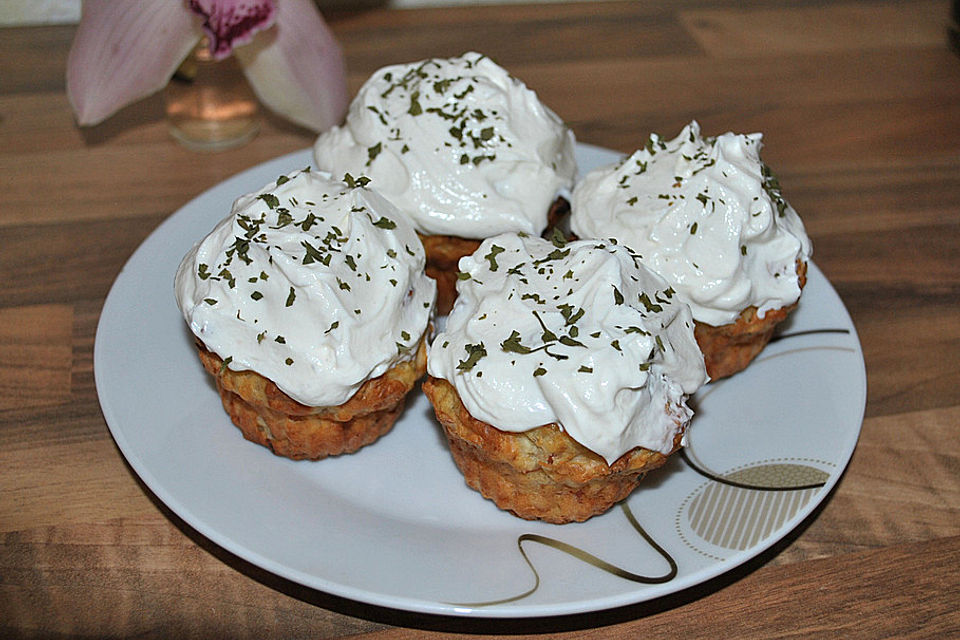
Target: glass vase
[{"x": 209, "y": 104}]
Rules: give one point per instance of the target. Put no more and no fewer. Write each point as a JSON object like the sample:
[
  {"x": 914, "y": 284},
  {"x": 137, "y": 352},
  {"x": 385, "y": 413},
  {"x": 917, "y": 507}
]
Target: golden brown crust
[
  {"x": 444, "y": 253},
  {"x": 729, "y": 348},
  {"x": 541, "y": 473},
  {"x": 267, "y": 416},
  {"x": 306, "y": 437}
]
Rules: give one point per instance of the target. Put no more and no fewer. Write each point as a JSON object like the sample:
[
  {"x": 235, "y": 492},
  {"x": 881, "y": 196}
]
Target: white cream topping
[
  {"x": 314, "y": 284},
  {"x": 579, "y": 334},
  {"x": 458, "y": 144},
  {"x": 706, "y": 214}
]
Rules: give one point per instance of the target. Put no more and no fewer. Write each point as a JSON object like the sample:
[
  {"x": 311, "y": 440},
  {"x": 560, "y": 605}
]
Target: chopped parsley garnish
[
  {"x": 283, "y": 217},
  {"x": 513, "y": 344},
  {"x": 491, "y": 257},
  {"x": 558, "y": 239},
  {"x": 313, "y": 254},
  {"x": 474, "y": 353},
  {"x": 649, "y": 304},
  {"x": 385, "y": 223},
  {"x": 272, "y": 201},
  {"x": 373, "y": 152},
  {"x": 353, "y": 183},
  {"x": 307, "y": 223},
  {"x": 415, "y": 108},
  {"x": 617, "y": 296}
]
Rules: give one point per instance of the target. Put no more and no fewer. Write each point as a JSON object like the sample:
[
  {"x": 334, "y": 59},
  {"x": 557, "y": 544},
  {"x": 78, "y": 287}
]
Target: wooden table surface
[{"x": 860, "y": 106}]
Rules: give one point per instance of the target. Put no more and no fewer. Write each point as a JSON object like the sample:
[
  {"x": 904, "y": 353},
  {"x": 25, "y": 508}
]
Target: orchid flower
[{"x": 126, "y": 51}]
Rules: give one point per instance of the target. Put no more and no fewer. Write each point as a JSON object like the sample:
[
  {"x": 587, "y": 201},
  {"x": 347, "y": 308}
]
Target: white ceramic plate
[{"x": 395, "y": 525}]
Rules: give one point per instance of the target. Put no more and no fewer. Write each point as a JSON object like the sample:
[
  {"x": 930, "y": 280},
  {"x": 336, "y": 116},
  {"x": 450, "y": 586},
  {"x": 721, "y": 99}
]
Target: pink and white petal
[
  {"x": 125, "y": 51},
  {"x": 232, "y": 23},
  {"x": 297, "y": 67}
]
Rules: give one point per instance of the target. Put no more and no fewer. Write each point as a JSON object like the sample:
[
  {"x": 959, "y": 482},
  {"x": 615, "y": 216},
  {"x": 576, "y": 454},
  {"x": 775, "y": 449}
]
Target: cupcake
[
  {"x": 310, "y": 309},
  {"x": 562, "y": 375},
  {"x": 462, "y": 148},
  {"x": 708, "y": 216}
]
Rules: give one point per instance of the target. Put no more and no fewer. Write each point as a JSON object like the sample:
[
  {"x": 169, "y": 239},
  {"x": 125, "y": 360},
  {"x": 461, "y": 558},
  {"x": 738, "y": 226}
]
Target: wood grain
[
  {"x": 36, "y": 349},
  {"x": 859, "y": 103},
  {"x": 760, "y": 31}
]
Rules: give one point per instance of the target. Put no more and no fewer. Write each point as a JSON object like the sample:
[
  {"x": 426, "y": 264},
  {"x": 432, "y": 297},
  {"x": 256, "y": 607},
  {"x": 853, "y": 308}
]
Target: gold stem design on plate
[
  {"x": 709, "y": 475},
  {"x": 685, "y": 455},
  {"x": 739, "y": 509},
  {"x": 587, "y": 558},
  {"x": 795, "y": 334},
  {"x": 619, "y": 572}
]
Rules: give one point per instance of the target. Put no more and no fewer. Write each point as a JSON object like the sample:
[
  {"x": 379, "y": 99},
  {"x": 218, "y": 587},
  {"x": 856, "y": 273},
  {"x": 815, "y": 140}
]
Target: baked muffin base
[
  {"x": 728, "y": 349},
  {"x": 444, "y": 253},
  {"x": 539, "y": 474},
  {"x": 267, "y": 416},
  {"x": 443, "y": 258}
]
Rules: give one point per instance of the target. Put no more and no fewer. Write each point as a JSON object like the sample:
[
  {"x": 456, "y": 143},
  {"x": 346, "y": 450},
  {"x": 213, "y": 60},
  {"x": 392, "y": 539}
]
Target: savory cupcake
[
  {"x": 562, "y": 375},
  {"x": 460, "y": 146},
  {"x": 310, "y": 309},
  {"x": 708, "y": 216}
]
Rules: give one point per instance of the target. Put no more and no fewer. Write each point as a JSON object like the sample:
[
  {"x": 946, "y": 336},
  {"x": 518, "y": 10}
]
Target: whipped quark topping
[
  {"x": 315, "y": 284},
  {"x": 458, "y": 144},
  {"x": 707, "y": 215},
  {"x": 579, "y": 334}
]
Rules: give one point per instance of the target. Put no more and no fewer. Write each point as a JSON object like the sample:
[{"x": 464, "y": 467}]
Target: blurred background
[{"x": 36, "y": 12}]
